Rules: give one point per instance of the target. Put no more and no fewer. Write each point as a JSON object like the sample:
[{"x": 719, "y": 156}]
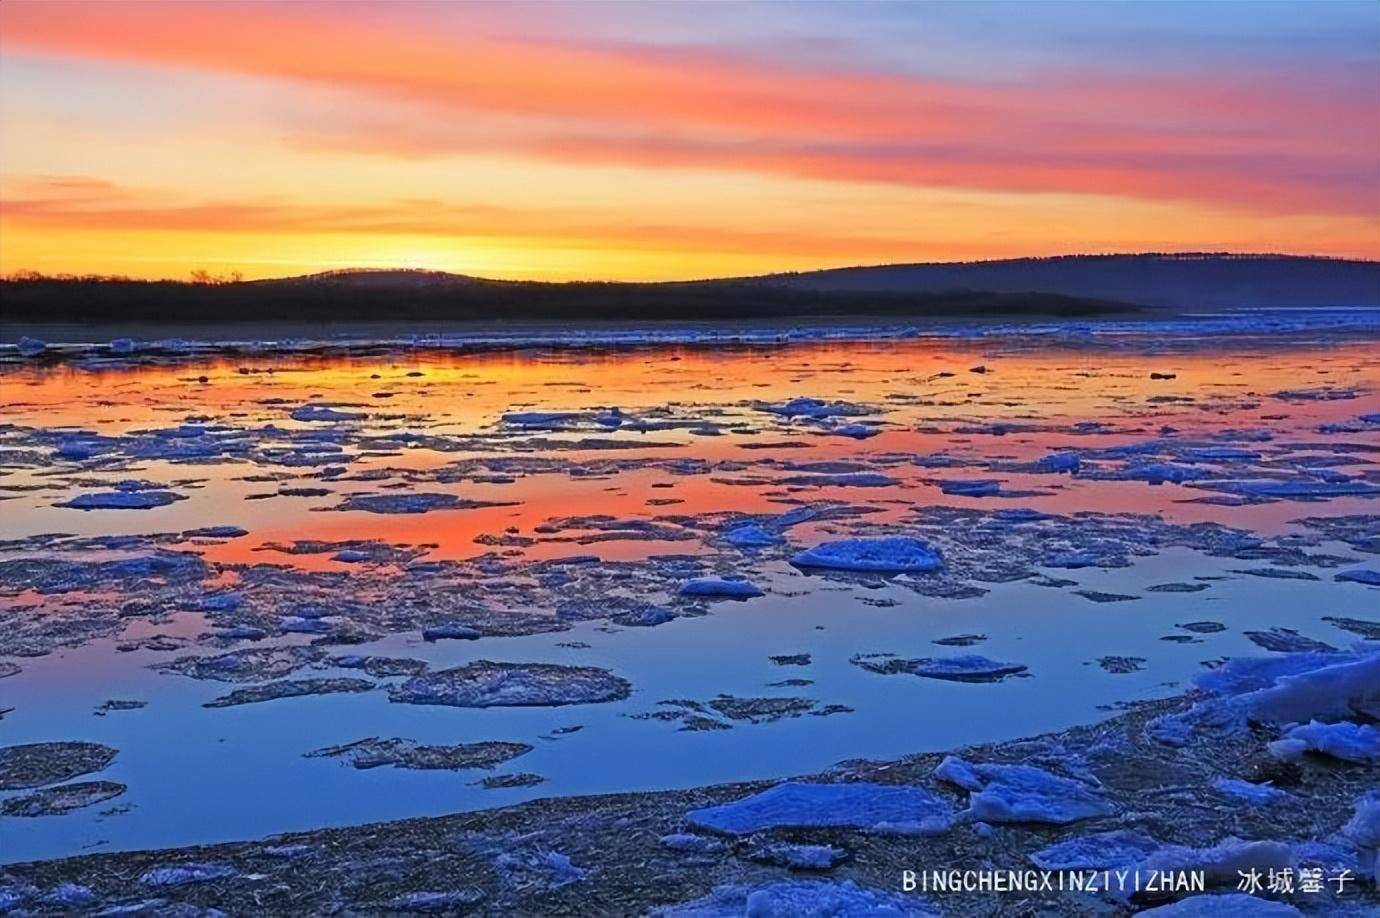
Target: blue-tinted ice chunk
[
  {"x": 887, "y": 554},
  {"x": 794, "y": 804},
  {"x": 718, "y": 588}
]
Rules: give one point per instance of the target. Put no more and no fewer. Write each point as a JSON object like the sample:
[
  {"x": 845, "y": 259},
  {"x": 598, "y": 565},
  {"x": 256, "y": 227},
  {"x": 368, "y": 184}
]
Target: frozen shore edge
[{"x": 608, "y": 855}]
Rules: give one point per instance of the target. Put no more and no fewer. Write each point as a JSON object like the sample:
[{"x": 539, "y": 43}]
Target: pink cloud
[{"x": 1266, "y": 142}]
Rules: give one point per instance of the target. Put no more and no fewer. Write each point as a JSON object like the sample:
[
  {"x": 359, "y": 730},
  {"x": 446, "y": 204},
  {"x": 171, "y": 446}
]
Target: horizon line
[{"x": 23, "y": 275}]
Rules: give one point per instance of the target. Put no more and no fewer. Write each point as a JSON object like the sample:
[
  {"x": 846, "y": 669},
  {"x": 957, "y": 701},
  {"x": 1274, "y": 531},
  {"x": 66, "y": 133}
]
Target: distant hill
[
  {"x": 376, "y": 279},
  {"x": 1185, "y": 281},
  {"x": 437, "y": 296},
  {"x": 1069, "y": 286}
]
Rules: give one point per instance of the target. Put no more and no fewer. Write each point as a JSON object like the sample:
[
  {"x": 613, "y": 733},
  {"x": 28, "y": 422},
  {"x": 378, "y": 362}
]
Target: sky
[{"x": 674, "y": 140}]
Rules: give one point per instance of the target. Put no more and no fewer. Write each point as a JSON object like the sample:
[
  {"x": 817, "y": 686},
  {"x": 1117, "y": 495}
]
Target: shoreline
[
  {"x": 138, "y": 340},
  {"x": 609, "y": 855}
]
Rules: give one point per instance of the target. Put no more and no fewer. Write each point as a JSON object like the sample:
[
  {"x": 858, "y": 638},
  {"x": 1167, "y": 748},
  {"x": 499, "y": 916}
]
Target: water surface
[{"x": 644, "y": 458}]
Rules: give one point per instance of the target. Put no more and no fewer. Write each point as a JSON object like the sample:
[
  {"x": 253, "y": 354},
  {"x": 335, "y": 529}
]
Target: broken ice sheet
[
  {"x": 38, "y": 764},
  {"x": 1023, "y": 793},
  {"x": 484, "y": 684},
  {"x": 1345, "y": 741},
  {"x": 710, "y": 715},
  {"x": 289, "y": 688},
  {"x": 413, "y": 503},
  {"x": 405, "y": 753},
  {"x": 895, "y": 554},
  {"x": 965, "y": 668},
  {"x": 61, "y": 799}
]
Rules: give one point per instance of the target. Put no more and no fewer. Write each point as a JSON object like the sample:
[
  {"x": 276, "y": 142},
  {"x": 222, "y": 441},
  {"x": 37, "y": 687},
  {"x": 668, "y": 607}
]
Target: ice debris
[
  {"x": 1287, "y": 640},
  {"x": 405, "y": 753},
  {"x": 1224, "y": 905},
  {"x": 1347, "y": 741},
  {"x": 888, "y": 554},
  {"x": 289, "y": 688},
  {"x": 799, "y": 899},
  {"x": 964, "y": 668},
  {"x": 794, "y": 804},
  {"x": 412, "y": 503},
  {"x": 484, "y": 684},
  {"x": 1220, "y": 863},
  {"x": 186, "y": 874},
  {"x": 1022, "y": 793},
  {"x": 121, "y": 500},
  {"x": 451, "y": 631},
  {"x": 811, "y": 408},
  {"x": 1100, "y": 851},
  {"x": 719, "y": 588},
  {"x": 55, "y": 801},
  {"x": 1254, "y": 794},
  {"x": 1364, "y": 826},
  {"x": 324, "y": 413},
  {"x": 36, "y": 764},
  {"x": 689, "y": 842},
  {"x": 855, "y": 431},
  {"x": 751, "y": 535},
  {"x": 797, "y": 857},
  {"x": 1286, "y": 689},
  {"x": 450, "y": 902}
]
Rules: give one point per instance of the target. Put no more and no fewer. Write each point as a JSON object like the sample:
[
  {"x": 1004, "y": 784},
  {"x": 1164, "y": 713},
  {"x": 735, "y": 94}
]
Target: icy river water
[{"x": 217, "y": 561}]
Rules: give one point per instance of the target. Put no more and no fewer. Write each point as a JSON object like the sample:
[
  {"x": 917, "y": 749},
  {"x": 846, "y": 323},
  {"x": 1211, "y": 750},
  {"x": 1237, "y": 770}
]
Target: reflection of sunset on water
[{"x": 447, "y": 394}]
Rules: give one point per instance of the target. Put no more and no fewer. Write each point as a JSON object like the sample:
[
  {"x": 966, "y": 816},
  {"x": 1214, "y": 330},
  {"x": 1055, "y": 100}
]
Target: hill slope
[
  {"x": 1069, "y": 286},
  {"x": 1185, "y": 281},
  {"x": 432, "y": 296}
]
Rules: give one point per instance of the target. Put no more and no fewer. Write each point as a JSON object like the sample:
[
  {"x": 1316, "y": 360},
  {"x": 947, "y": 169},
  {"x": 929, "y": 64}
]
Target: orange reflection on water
[{"x": 919, "y": 390}]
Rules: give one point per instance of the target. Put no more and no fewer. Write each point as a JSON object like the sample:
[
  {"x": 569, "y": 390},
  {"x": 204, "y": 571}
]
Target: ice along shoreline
[{"x": 1222, "y": 797}]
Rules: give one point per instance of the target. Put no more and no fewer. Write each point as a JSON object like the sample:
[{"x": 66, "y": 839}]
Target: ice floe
[
  {"x": 712, "y": 714},
  {"x": 964, "y": 668},
  {"x": 484, "y": 684},
  {"x": 122, "y": 500},
  {"x": 324, "y": 413},
  {"x": 405, "y": 753},
  {"x": 1001, "y": 793},
  {"x": 36, "y": 764},
  {"x": 289, "y": 688},
  {"x": 751, "y": 535},
  {"x": 888, "y": 554},
  {"x": 412, "y": 503},
  {"x": 64, "y": 798},
  {"x": 719, "y": 588}
]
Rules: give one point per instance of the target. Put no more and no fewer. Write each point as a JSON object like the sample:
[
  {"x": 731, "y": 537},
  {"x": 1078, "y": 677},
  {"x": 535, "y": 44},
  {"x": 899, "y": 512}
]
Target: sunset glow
[{"x": 667, "y": 140}]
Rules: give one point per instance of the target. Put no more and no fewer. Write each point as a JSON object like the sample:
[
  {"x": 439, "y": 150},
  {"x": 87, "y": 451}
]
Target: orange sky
[{"x": 670, "y": 140}]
